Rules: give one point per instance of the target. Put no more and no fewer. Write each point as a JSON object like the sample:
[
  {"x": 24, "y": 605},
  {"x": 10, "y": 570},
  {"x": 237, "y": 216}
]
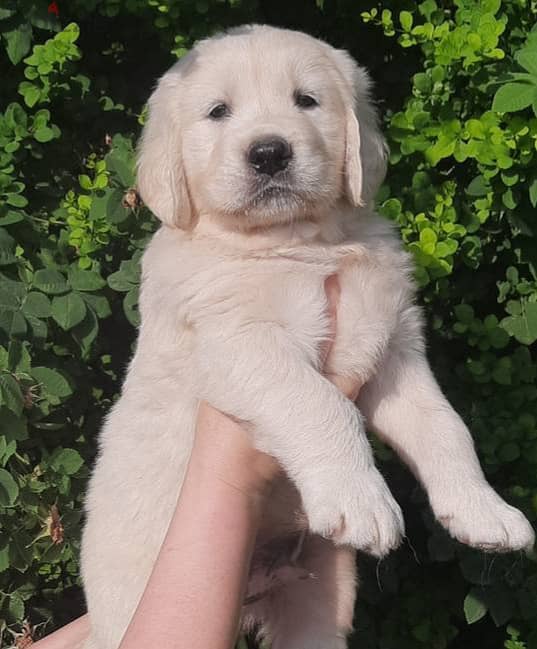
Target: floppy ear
[
  {"x": 365, "y": 149},
  {"x": 354, "y": 168},
  {"x": 160, "y": 174}
]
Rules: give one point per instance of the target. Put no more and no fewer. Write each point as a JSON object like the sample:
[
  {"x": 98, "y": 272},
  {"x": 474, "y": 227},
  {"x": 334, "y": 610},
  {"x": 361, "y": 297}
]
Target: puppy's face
[
  {"x": 255, "y": 128},
  {"x": 263, "y": 128}
]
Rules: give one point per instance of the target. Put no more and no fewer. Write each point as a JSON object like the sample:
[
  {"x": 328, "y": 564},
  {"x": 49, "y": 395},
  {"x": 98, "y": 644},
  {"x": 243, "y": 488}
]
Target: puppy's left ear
[{"x": 366, "y": 150}]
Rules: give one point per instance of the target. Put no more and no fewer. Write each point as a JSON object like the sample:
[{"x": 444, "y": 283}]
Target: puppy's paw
[
  {"x": 358, "y": 510},
  {"x": 480, "y": 518}
]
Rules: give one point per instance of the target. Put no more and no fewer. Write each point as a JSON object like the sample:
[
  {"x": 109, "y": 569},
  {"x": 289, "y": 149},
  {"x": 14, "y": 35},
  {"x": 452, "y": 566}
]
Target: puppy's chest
[
  {"x": 287, "y": 294},
  {"x": 294, "y": 300}
]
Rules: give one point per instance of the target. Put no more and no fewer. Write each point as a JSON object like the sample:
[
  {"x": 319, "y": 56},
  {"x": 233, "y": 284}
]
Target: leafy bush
[{"x": 458, "y": 88}]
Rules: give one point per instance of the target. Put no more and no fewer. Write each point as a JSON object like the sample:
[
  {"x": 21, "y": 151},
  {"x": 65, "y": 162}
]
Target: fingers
[
  {"x": 350, "y": 387},
  {"x": 332, "y": 290}
]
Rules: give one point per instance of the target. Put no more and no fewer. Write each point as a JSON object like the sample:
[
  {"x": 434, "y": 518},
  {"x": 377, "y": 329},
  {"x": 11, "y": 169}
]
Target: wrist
[{"x": 223, "y": 453}]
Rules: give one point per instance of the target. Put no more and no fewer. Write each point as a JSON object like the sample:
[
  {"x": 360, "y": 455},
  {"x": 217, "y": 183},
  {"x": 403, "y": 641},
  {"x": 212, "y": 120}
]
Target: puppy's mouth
[
  {"x": 270, "y": 192},
  {"x": 274, "y": 193}
]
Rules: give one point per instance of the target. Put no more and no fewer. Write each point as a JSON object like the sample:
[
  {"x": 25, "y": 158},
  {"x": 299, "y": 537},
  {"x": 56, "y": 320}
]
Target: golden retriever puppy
[{"x": 262, "y": 156}]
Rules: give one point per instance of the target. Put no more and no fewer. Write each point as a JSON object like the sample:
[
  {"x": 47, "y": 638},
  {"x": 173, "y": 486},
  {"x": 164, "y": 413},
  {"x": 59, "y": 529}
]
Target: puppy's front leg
[
  {"x": 405, "y": 407},
  {"x": 259, "y": 376}
]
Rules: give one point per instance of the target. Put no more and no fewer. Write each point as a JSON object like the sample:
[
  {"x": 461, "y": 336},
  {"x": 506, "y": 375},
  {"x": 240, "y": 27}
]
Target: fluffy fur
[{"x": 234, "y": 311}]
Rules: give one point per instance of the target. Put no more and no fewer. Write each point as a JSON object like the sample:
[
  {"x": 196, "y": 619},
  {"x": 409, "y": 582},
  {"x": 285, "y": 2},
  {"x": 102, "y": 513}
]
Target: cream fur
[{"x": 234, "y": 311}]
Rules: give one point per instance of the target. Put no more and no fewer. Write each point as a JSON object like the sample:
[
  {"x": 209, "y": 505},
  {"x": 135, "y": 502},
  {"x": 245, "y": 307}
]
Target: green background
[{"x": 457, "y": 88}]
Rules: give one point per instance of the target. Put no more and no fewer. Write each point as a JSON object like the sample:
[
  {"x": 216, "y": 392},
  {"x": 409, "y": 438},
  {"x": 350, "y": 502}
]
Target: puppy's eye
[
  {"x": 220, "y": 111},
  {"x": 305, "y": 101}
]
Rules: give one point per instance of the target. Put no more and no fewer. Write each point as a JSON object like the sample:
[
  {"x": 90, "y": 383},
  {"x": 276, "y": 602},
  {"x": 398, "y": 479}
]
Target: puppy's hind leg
[{"x": 316, "y": 612}]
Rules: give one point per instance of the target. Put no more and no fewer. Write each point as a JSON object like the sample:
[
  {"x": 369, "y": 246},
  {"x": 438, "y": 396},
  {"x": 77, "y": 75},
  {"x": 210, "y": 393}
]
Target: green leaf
[
  {"x": 11, "y": 217},
  {"x": 16, "y": 118},
  {"x": 499, "y": 338},
  {"x": 513, "y": 97},
  {"x": 68, "y": 310},
  {"x": 9, "y": 489},
  {"x": 52, "y": 381},
  {"x": 121, "y": 169},
  {"x": 19, "y": 360},
  {"x": 20, "y": 556},
  {"x": 445, "y": 248},
  {"x": 6, "y": 12},
  {"x": 98, "y": 207},
  {"x": 50, "y": 281},
  {"x": 391, "y": 208},
  {"x": 15, "y": 608},
  {"x": 474, "y": 607},
  {"x": 37, "y": 305},
  {"x": 523, "y": 327},
  {"x": 4, "y": 558},
  {"x": 101, "y": 181},
  {"x": 533, "y": 192},
  {"x": 8, "y": 298},
  {"x": 478, "y": 187},
  {"x": 85, "y": 181},
  {"x": 528, "y": 60},
  {"x": 428, "y": 240},
  {"x": 13, "y": 427},
  {"x": 86, "y": 332},
  {"x": 99, "y": 304},
  {"x": 16, "y": 200},
  {"x": 67, "y": 461},
  {"x": 422, "y": 82},
  {"x": 10, "y": 393},
  {"x": 84, "y": 280},
  {"x": 31, "y": 94},
  {"x": 406, "y": 20},
  {"x": 7, "y": 249},
  {"x": 70, "y": 33},
  {"x": 509, "y": 199},
  {"x": 12, "y": 322},
  {"x": 18, "y": 42},
  {"x": 39, "y": 327},
  {"x": 130, "y": 306},
  {"x": 115, "y": 212},
  {"x": 44, "y": 134},
  {"x": 127, "y": 277}
]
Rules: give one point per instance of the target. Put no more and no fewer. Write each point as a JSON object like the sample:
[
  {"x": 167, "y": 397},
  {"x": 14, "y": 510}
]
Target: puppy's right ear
[
  {"x": 366, "y": 150},
  {"x": 160, "y": 174}
]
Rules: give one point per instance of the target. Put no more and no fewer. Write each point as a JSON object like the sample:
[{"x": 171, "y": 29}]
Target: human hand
[{"x": 349, "y": 386}]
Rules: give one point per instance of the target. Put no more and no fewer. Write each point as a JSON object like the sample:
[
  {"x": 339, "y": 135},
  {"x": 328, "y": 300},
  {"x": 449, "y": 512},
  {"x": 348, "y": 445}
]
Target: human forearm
[
  {"x": 70, "y": 636},
  {"x": 186, "y": 604}
]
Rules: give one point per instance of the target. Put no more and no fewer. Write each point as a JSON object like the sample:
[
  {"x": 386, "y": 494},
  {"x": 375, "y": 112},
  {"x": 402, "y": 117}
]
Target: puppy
[{"x": 261, "y": 156}]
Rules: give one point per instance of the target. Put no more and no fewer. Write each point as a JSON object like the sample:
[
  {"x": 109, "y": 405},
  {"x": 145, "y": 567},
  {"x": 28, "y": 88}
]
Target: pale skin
[{"x": 194, "y": 596}]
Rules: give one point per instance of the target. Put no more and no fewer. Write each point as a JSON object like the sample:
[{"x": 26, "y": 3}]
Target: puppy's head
[{"x": 260, "y": 126}]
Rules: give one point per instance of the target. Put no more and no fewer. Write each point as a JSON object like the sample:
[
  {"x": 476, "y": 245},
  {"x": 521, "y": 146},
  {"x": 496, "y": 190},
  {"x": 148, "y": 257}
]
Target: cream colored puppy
[{"x": 261, "y": 157}]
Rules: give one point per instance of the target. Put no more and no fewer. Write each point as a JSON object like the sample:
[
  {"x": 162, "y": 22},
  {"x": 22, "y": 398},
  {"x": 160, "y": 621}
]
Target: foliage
[{"x": 457, "y": 81}]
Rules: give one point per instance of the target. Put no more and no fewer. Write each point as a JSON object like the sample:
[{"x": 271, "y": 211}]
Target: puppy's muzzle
[{"x": 270, "y": 155}]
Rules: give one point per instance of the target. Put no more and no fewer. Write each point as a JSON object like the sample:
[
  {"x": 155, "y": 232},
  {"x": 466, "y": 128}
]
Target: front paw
[
  {"x": 480, "y": 518},
  {"x": 358, "y": 510}
]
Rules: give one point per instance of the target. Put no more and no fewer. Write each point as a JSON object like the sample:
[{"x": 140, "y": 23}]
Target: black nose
[{"x": 270, "y": 155}]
